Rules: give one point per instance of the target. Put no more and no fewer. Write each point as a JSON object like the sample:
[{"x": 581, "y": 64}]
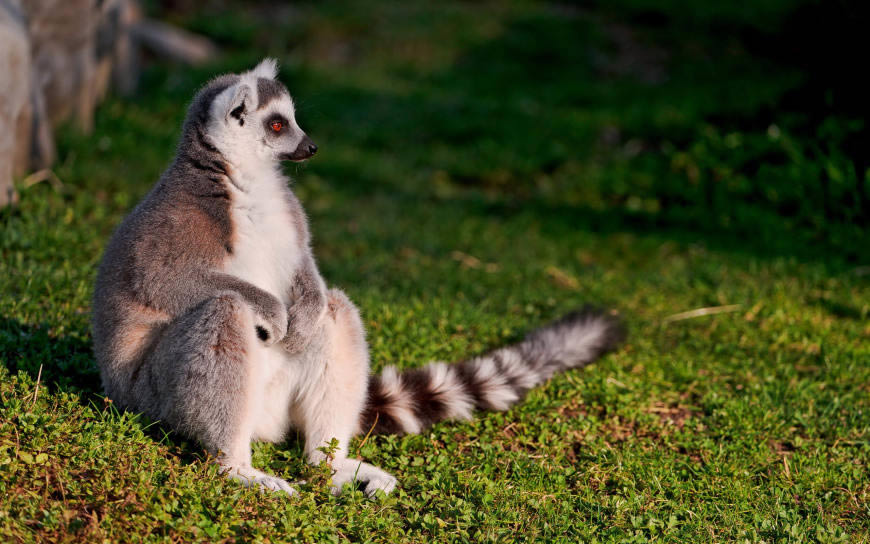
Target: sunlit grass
[{"x": 483, "y": 170}]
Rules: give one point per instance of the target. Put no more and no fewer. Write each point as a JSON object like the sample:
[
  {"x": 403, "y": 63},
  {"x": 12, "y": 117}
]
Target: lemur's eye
[{"x": 277, "y": 126}]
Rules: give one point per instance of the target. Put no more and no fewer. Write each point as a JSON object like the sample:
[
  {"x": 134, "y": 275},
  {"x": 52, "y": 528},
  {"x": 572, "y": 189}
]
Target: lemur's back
[{"x": 158, "y": 241}]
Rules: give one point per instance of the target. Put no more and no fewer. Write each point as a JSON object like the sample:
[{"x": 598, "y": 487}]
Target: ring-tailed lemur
[{"x": 210, "y": 315}]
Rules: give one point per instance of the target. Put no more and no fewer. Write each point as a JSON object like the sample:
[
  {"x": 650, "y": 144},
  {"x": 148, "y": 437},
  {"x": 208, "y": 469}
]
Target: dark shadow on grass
[
  {"x": 839, "y": 309},
  {"x": 763, "y": 235},
  {"x": 496, "y": 111},
  {"x": 66, "y": 363}
]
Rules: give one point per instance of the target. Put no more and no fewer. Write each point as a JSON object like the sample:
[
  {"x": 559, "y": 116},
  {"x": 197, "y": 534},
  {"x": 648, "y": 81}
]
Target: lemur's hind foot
[
  {"x": 352, "y": 471},
  {"x": 251, "y": 477}
]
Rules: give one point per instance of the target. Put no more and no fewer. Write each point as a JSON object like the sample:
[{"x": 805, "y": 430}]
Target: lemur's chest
[{"x": 265, "y": 243}]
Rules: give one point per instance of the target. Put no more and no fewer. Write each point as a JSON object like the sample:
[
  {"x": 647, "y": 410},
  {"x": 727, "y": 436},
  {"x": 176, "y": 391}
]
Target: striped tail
[{"x": 410, "y": 401}]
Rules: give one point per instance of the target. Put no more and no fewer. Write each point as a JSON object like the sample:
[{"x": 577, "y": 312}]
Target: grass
[{"x": 484, "y": 168}]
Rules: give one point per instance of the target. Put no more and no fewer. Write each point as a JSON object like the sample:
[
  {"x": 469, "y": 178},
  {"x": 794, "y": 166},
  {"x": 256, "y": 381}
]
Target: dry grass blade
[
  {"x": 36, "y": 390},
  {"x": 368, "y": 434},
  {"x": 43, "y": 175},
  {"x": 710, "y": 310}
]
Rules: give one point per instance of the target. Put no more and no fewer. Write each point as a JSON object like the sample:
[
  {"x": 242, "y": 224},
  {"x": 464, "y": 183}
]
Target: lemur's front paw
[
  {"x": 299, "y": 334},
  {"x": 271, "y": 322},
  {"x": 305, "y": 319}
]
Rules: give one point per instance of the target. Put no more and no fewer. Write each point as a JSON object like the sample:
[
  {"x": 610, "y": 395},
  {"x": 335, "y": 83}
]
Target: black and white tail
[{"x": 410, "y": 401}]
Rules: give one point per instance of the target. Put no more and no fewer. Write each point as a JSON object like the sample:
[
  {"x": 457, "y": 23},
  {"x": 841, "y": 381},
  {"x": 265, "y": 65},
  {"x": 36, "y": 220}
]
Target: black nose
[{"x": 304, "y": 150}]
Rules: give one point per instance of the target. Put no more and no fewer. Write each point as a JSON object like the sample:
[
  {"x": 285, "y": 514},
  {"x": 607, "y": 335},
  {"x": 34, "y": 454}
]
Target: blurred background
[
  {"x": 713, "y": 117},
  {"x": 747, "y": 119}
]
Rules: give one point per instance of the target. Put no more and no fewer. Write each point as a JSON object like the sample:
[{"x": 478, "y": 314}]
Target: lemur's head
[{"x": 254, "y": 119}]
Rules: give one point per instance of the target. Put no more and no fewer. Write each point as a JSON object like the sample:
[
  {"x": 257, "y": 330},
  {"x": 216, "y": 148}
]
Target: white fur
[
  {"x": 351, "y": 470},
  {"x": 574, "y": 344},
  {"x": 495, "y": 389},
  {"x": 516, "y": 369},
  {"x": 265, "y": 246},
  {"x": 443, "y": 380},
  {"x": 249, "y": 477},
  {"x": 267, "y": 68},
  {"x": 244, "y": 144},
  {"x": 577, "y": 346},
  {"x": 402, "y": 406},
  {"x": 270, "y": 411}
]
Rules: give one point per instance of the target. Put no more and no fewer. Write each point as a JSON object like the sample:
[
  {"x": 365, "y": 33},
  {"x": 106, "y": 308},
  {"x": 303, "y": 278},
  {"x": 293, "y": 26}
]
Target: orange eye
[{"x": 277, "y": 126}]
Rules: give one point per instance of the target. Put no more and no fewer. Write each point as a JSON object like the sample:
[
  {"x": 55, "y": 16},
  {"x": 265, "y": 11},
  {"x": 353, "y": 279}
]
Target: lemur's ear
[
  {"x": 268, "y": 68},
  {"x": 240, "y": 105}
]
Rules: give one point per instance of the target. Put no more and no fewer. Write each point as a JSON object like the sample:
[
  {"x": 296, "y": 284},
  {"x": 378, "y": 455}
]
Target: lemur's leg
[
  {"x": 205, "y": 374},
  {"x": 332, "y": 406}
]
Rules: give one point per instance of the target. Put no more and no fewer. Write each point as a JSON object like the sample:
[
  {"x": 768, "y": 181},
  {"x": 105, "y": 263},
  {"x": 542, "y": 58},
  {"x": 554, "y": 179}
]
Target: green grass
[{"x": 484, "y": 168}]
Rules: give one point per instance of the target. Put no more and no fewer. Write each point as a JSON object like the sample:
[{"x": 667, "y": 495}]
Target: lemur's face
[
  {"x": 256, "y": 117},
  {"x": 275, "y": 123}
]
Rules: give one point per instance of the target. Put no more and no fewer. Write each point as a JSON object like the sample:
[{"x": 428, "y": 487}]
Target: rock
[
  {"x": 15, "y": 108},
  {"x": 57, "y": 60}
]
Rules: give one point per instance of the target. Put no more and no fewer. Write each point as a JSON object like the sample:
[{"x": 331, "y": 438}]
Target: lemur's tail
[{"x": 410, "y": 401}]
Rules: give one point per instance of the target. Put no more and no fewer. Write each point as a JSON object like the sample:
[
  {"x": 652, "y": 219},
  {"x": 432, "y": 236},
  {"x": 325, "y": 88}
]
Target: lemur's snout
[{"x": 305, "y": 150}]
